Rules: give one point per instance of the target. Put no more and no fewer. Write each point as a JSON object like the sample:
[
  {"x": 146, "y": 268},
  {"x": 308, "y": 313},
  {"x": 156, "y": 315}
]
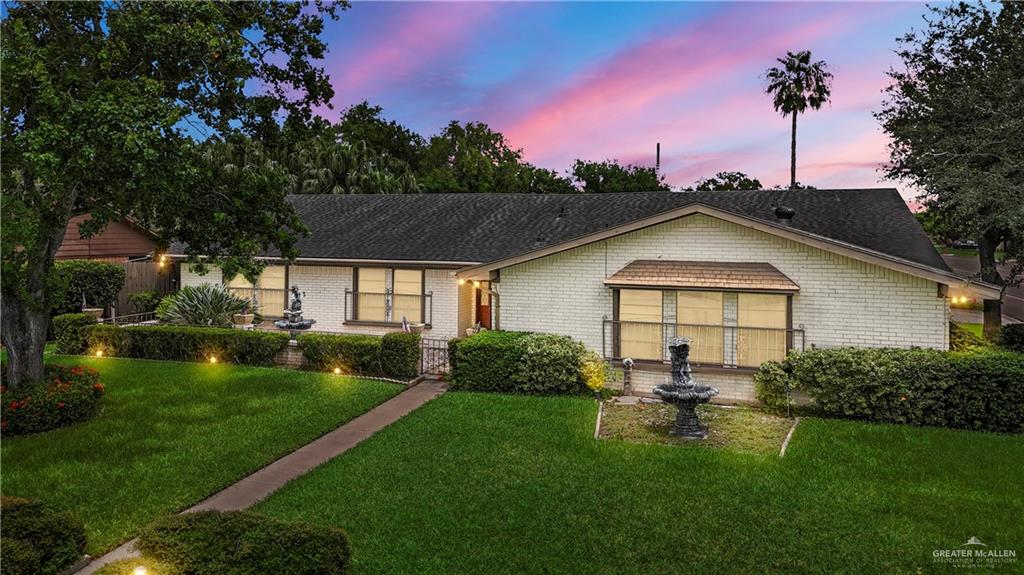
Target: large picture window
[
  {"x": 757, "y": 310},
  {"x": 271, "y": 291},
  {"x": 700, "y": 316},
  {"x": 386, "y": 295}
]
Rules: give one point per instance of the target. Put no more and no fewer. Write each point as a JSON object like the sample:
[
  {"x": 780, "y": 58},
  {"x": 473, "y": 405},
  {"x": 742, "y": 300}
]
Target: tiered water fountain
[
  {"x": 684, "y": 393},
  {"x": 293, "y": 321}
]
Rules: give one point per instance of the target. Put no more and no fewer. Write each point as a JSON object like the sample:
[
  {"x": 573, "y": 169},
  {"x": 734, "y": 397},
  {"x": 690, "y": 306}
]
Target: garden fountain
[
  {"x": 293, "y": 321},
  {"x": 684, "y": 393}
]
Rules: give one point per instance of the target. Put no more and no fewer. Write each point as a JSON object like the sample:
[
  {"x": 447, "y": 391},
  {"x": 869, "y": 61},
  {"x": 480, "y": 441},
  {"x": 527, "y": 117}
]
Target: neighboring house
[
  {"x": 120, "y": 241},
  {"x": 746, "y": 274}
]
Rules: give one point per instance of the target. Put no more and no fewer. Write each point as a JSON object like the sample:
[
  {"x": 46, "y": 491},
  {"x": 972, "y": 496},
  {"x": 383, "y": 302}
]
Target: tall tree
[
  {"x": 797, "y": 85},
  {"x": 955, "y": 117},
  {"x": 610, "y": 176},
  {"x": 726, "y": 181},
  {"x": 99, "y": 103},
  {"x": 474, "y": 158},
  {"x": 365, "y": 123},
  {"x": 325, "y": 166}
]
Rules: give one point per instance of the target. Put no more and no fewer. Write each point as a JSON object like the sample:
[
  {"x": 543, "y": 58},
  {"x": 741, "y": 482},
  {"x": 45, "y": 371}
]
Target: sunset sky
[{"x": 609, "y": 80}]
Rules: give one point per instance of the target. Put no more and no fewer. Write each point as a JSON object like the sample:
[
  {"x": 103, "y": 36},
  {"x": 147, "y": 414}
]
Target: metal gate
[{"x": 433, "y": 356}]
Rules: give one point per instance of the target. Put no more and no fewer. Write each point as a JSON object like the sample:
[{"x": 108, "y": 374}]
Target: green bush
[
  {"x": 165, "y": 304},
  {"x": 68, "y": 330},
  {"x": 67, "y": 396},
  {"x": 1012, "y": 337},
  {"x": 978, "y": 390},
  {"x": 98, "y": 281},
  {"x": 207, "y": 305},
  {"x": 487, "y": 361},
  {"x": 771, "y": 386},
  {"x": 188, "y": 343},
  {"x": 550, "y": 364},
  {"x": 517, "y": 362},
  {"x": 243, "y": 543},
  {"x": 400, "y": 354},
  {"x": 145, "y": 301},
  {"x": 38, "y": 539},
  {"x": 353, "y": 354}
]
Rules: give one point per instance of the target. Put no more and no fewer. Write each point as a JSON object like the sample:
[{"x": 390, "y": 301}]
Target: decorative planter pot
[
  {"x": 96, "y": 312},
  {"x": 243, "y": 318},
  {"x": 416, "y": 327}
]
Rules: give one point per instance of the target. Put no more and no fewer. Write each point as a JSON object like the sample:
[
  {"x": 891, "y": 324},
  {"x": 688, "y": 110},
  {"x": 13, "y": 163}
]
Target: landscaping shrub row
[
  {"x": 394, "y": 355},
  {"x": 242, "y": 543},
  {"x": 37, "y": 539},
  {"x": 69, "y": 332},
  {"x": 185, "y": 343},
  {"x": 519, "y": 362},
  {"x": 980, "y": 390},
  {"x": 67, "y": 395}
]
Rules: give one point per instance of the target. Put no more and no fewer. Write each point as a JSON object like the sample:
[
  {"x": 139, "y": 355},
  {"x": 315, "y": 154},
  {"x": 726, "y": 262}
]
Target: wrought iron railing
[
  {"x": 130, "y": 319},
  {"x": 712, "y": 345},
  {"x": 389, "y": 307},
  {"x": 270, "y": 302}
]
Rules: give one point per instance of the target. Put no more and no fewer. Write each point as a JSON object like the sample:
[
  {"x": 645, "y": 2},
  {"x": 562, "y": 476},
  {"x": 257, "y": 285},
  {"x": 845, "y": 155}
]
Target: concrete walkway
[{"x": 256, "y": 487}]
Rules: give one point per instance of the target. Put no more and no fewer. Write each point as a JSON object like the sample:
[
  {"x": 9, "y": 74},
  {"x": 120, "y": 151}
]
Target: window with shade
[
  {"x": 270, "y": 290},
  {"x": 389, "y": 295},
  {"x": 726, "y": 328}
]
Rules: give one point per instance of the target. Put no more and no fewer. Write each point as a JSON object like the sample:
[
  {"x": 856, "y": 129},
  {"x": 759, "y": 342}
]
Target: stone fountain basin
[{"x": 697, "y": 392}]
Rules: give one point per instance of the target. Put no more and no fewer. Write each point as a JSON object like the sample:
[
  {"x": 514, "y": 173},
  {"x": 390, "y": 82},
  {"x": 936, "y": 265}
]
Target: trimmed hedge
[
  {"x": 38, "y": 539},
  {"x": 243, "y": 543},
  {"x": 99, "y": 281},
  {"x": 67, "y": 396},
  {"x": 982, "y": 390},
  {"x": 517, "y": 362},
  {"x": 963, "y": 339},
  {"x": 187, "y": 343},
  {"x": 394, "y": 355},
  {"x": 69, "y": 332},
  {"x": 1012, "y": 337}
]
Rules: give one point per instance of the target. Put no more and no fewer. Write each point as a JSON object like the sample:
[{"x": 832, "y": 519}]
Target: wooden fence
[{"x": 144, "y": 276}]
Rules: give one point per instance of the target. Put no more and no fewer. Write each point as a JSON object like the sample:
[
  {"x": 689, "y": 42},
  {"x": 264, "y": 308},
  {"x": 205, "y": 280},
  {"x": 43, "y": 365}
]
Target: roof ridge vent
[{"x": 784, "y": 215}]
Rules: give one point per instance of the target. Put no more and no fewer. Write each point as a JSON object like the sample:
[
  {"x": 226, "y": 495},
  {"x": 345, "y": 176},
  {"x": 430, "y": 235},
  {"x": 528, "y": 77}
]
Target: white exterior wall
[
  {"x": 842, "y": 301},
  {"x": 325, "y": 297}
]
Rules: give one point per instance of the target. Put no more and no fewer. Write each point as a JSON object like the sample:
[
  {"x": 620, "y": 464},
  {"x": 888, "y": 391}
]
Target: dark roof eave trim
[
  {"x": 619, "y": 285},
  {"x": 355, "y": 261}
]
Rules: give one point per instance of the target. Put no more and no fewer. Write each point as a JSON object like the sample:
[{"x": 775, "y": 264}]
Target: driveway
[{"x": 1013, "y": 299}]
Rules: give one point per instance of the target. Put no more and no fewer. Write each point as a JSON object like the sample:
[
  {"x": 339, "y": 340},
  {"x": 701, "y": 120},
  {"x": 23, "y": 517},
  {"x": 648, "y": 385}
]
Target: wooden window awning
[{"x": 726, "y": 276}]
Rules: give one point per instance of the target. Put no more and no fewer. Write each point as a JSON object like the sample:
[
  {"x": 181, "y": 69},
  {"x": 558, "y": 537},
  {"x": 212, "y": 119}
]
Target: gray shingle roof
[{"x": 487, "y": 227}]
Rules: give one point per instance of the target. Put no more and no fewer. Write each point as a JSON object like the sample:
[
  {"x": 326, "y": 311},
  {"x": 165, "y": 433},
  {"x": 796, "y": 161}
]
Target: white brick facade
[
  {"x": 325, "y": 297},
  {"x": 842, "y": 301}
]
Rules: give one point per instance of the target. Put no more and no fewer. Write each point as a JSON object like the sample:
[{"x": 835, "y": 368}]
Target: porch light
[
  {"x": 476, "y": 283},
  {"x": 462, "y": 281},
  {"x": 337, "y": 371}
]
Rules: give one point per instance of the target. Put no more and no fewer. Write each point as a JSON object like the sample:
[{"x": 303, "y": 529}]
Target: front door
[{"x": 483, "y": 306}]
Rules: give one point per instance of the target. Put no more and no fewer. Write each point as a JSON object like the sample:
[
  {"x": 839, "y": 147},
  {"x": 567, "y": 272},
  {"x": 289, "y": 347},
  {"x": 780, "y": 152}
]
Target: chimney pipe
[{"x": 657, "y": 157}]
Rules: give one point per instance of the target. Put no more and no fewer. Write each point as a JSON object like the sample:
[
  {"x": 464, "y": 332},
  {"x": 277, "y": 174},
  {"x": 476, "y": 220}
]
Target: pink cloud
[{"x": 424, "y": 33}]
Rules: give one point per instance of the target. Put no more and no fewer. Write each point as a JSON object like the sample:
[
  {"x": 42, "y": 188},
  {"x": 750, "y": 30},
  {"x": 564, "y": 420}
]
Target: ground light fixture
[
  {"x": 213, "y": 359},
  {"x": 99, "y": 353},
  {"x": 140, "y": 570},
  {"x": 337, "y": 371}
]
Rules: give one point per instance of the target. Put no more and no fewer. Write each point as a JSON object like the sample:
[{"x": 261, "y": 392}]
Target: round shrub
[
  {"x": 98, "y": 281},
  {"x": 38, "y": 539},
  {"x": 69, "y": 394},
  {"x": 517, "y": 362},
  {"x": 243, "y": 543},
  {"x": 400, "y": 354},
  {"x": 593, "y": 371},
  {"x": 549, "y": 364},
  {"x": 145, "y": 301},
  {"x": 1012, "y": 337},
  {"x": 69, "y": 332},
  {"x": 771, "y": 386}
]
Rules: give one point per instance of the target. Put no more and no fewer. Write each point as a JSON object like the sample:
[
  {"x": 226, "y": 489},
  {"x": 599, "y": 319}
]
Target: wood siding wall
[{"x": 119, "y": 241}]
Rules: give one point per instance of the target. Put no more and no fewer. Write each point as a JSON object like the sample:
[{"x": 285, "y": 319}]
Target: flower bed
[{"x": 67, "y": 396}]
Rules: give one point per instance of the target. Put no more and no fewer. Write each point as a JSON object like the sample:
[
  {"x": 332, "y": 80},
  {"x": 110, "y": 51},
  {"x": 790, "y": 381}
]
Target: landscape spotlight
[{"x": 337, "y": 371}]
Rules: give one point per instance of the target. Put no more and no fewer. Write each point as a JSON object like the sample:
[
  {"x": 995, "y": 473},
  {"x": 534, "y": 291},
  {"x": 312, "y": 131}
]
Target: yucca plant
[{"x": 206, "y": 305}]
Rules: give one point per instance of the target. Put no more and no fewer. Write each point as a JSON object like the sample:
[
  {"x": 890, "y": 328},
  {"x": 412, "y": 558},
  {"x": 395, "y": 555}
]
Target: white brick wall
[
  {"x": 732, "y": 387},
  {"x": 325, "y": 297},
  {"x": 842, "y": 302}
]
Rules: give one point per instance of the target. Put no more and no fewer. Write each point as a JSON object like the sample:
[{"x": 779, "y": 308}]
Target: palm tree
[{"x": 794, "y": 87}]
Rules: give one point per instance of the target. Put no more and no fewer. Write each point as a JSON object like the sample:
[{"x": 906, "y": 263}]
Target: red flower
[
  {"x": 98, "y": 387},
  {"x": 13, "y": 405},
  {"x": 60, "y": 405}
]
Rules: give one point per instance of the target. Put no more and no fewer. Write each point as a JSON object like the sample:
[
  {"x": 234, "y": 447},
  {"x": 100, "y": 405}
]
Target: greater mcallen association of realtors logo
[{"x": 974, "y": 553}]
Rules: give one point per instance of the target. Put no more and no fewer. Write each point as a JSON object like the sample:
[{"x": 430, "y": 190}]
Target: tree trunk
[
  {"x": 993, "y": 308},
  {"x": 24, "y": 331},
  {"x": 792, "y": 156}
]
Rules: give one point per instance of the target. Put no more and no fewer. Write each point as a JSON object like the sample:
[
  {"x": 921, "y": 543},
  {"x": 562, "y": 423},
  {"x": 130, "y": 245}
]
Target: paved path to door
[{"x": 259, "y": 485}]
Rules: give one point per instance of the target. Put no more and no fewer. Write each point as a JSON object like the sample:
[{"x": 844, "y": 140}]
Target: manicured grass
[
  {"x": 173, "y": 433},
  {"x": 975, "y": 328},
  {"x": 477, "y": 483},
  {"x": 738, "y": 428}
]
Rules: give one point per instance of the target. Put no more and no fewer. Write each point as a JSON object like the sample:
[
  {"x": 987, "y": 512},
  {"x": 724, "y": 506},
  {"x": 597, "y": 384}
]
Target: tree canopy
[
  {"x": 610, "y": 176},
  {"x": 101, "y": 105},
  {"x": 954, "y": 113},
  {"x": 725, "y": 181}
]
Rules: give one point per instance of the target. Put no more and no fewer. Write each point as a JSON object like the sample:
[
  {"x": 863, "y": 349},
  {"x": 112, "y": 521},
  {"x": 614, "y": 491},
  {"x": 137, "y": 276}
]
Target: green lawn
[
  {"x": 975, "y": 328},
  {"x": 477, "y": 483},
  {"x": 171, "y": 434}
]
